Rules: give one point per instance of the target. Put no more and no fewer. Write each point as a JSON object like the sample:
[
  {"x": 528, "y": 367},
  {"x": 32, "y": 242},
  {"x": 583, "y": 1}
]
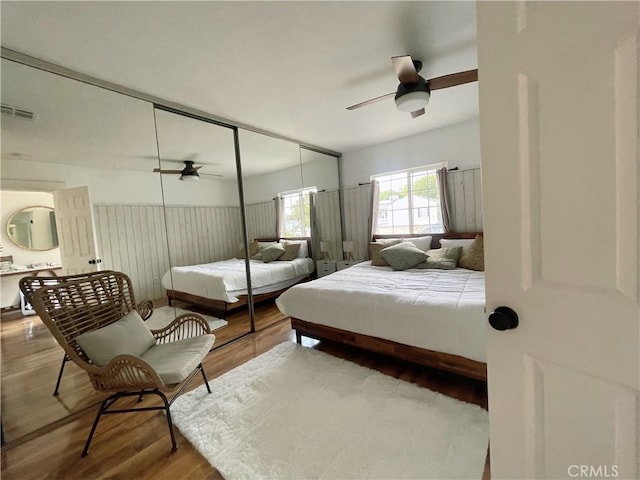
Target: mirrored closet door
[
  {"x": 61, "y": 135},
  {"x": 291, "y": 198},
  {"x": 320, "y": 175},
  {"x": 202, "y": 211}
]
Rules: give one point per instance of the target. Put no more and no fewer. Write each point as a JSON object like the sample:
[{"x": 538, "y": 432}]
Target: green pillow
[
  {"x": 445, "y": 253},
  {"x": 272, "y": 252},
  {"x": 403, "y": 256}
]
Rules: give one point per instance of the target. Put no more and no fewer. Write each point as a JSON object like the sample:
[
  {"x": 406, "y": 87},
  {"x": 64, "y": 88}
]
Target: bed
[
  {"x": 222, "y": 286},
  {"x": 428, "y": 316}
]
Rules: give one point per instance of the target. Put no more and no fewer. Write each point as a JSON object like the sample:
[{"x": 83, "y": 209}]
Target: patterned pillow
[
  {"x": 290, "y": 251},
  {"x": 272, "y": 252},
  {"x": 445, "y": 253},
  {"x": 403, "y": 256},
  {"x": 474, "y": 258},
  {"x": 253, "y": 249},
  {"x": 378, "y": 260}
]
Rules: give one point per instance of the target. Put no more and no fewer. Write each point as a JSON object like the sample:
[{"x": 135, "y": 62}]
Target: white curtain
[
  {"x": 375, "y": 200},
  {"x": 315, "y": 233},
  {"x": 279, "y": 205},
  {"x": 373, "y": 219},
  {"x": 445, "y": 206}
]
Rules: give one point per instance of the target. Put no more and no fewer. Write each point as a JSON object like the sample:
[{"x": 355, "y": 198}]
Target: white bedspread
[
  {"x": 440, "y": 310},
  {"x": 225, "y": 279}
]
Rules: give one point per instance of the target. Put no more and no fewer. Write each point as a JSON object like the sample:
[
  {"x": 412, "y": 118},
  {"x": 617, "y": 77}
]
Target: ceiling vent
[{"x": 18, "y": 112}]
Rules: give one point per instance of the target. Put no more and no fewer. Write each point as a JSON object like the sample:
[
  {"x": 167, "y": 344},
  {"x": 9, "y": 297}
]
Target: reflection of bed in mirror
[
  {"x": 222, "y": 286},
  {"x": 427, "y": 316}
]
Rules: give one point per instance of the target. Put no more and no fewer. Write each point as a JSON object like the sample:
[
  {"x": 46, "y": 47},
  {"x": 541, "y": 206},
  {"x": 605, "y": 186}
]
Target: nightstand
[
  {"x": 345, "y": 264},
  {"x": 325, "y": 267}
]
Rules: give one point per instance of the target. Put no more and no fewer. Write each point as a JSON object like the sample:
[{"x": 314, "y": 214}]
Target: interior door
[
  {"x": 74, "y": 220},
  {"x": 559, "y": 133}
]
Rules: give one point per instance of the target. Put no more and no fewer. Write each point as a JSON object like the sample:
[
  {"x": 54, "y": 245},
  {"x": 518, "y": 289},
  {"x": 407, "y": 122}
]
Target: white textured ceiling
[{"x": 286, "y": 67}]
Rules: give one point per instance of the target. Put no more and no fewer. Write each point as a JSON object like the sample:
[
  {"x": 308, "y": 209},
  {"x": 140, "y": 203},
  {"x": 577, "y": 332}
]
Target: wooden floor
[
  {"x": 31, "y": 361},
  {"x": 138, "y": 445}
]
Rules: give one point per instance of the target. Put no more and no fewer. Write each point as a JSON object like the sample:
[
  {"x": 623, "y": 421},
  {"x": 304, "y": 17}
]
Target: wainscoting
[
  {"x": 261, "y": 220},
  {"x": 466, "y": 208},
  {"x": 466, "y": 200},
  {"x": 142, "y": 242}
]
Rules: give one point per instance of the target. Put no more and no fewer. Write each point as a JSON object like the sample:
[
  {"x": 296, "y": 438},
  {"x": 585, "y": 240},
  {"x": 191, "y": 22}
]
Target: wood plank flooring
[{"x": 137, "y": 445}]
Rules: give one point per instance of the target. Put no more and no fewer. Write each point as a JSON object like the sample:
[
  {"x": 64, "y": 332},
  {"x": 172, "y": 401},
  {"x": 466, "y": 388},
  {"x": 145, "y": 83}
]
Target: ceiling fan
[
  {"x": 189, "y": 173},
  {"x": 414, "y": 91}
]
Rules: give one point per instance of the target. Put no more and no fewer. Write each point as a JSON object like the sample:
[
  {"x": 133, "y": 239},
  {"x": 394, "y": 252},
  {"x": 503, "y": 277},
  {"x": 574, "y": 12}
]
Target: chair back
[{"x": 76, "y": 304}]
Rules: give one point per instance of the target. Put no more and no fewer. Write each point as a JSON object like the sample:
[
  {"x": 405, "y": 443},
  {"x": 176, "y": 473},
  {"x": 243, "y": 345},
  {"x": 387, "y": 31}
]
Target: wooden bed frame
[
  {"x": 430, "y": 358},
  {"x": 222, "y": 308}
]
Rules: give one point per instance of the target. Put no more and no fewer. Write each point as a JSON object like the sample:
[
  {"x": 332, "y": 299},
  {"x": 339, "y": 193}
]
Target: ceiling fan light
[
  {"x": 412, "y": 101},
  {"x": 190, "y": 177}
]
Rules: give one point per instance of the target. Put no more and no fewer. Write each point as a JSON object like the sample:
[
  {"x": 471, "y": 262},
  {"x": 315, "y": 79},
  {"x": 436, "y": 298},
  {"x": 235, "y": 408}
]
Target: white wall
[
  {"x": 458, "y": 144},
  {"x": 109, "y": 186},
  {"x": 262, "y": 188}
]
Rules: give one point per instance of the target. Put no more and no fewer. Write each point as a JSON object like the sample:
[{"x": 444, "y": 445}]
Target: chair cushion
[
  {"x": 129, "y": 335},
  {"x": 173, "y": 362}
]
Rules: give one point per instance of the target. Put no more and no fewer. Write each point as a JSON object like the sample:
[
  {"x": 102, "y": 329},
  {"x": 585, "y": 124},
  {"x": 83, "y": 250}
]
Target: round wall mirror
[{"x": 33, "y": 228}]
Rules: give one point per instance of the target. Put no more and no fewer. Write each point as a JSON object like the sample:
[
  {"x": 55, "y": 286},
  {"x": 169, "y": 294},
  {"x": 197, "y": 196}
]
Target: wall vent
[{"x": 18, "y": 112}]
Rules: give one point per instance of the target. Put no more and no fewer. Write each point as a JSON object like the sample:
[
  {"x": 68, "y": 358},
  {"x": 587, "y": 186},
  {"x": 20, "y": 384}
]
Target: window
[
  {"x": 296, "y": 213},
  {"x": 409, "y": 201}
]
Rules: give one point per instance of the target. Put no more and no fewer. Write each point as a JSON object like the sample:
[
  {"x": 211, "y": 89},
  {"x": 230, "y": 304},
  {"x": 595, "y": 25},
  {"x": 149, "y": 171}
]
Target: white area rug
[
  {"x": 161, "y": 317},
  {"x": 298, "y": 413}
]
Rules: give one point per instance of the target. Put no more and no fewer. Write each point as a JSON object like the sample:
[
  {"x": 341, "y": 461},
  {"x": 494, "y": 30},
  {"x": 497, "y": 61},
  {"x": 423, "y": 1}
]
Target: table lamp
[
  {"x": 325, "y": 248},
  {"x": 348, "y": 247}
]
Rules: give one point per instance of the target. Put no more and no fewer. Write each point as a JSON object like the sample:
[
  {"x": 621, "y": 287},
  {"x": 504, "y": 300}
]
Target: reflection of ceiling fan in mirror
[
  {"x": 414, "y": 91},
  {"x": 189, "y": 173}
]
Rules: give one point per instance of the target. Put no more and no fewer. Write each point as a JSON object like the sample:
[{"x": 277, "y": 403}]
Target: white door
[
  {"x": 559, "y": 112},
  {"x": 74, "y": 220}
]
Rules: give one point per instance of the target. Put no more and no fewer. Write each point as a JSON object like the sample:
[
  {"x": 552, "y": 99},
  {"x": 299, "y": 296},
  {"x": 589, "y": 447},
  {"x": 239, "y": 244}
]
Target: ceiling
[{"x": 290, "y": 68}]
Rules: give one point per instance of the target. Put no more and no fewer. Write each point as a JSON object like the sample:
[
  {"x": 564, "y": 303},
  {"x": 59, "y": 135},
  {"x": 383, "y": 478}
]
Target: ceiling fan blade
[
  {"x": 405, "y": 69},
  {"x": 198, "y": 168},
  {"x": 158, "y": 170},
  {"x": 212, "y": 175},
  {"x": 453, "y": 79},
  {"x": 417, "y": 113},
  {"x": 373, "y": 100}
]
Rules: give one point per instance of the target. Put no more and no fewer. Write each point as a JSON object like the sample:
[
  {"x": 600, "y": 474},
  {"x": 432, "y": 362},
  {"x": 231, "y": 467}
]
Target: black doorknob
[{"x": 503, "y": 318}]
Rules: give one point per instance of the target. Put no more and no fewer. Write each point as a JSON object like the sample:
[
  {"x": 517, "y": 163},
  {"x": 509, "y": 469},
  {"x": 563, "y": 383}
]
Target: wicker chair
[
  {"x": 28, "y": 286},
  {"x": 76, "y": 307}
]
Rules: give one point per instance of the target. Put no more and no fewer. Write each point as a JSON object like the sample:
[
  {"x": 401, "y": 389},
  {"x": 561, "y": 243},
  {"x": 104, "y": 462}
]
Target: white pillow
[
  {"x": 129, "y": 335},
  {"x": 423, "y": 243},
  {"x": 303, "y": 252},
  {"x": 465, "y": 243}
]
